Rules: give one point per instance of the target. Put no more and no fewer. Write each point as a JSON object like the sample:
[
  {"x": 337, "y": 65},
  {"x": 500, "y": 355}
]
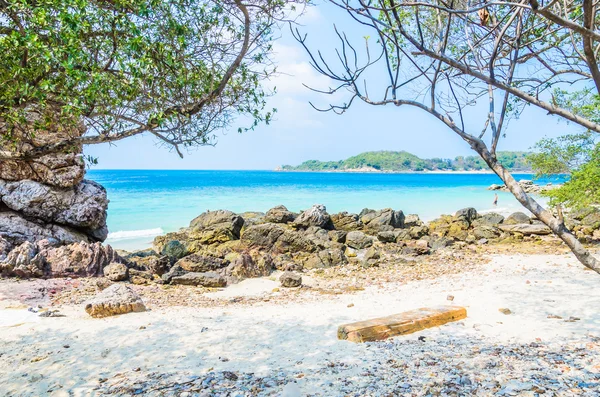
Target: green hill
[{"x": 388, "y": 161}]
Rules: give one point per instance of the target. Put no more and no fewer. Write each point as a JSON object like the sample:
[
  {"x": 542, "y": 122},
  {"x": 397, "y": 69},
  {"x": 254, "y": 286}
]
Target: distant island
[{"x": 389, "y": 161}]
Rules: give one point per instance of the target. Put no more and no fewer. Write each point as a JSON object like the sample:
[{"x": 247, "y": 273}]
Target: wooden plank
[{"x": 401, "y": 323}]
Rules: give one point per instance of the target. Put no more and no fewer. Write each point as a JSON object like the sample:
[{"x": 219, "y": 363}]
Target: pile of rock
[{"x": 528, "y": 186}]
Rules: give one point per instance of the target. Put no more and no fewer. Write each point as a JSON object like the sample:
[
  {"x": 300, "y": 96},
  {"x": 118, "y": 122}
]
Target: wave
[{"x": 127, "y": 234}]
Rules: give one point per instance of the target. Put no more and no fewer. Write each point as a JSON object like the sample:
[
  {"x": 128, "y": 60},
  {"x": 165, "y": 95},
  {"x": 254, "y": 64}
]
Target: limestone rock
[
  {"x": 279, "y": 214},
  {"x": 358, "y": 240},
  {"x": 16, "y": 229},
  {"x": 82, "y": 206},
  {"x": 376, "y": 220},
  {"x": 216, "y": 227},
  {"x": 345, "y": 221},
  {"x": 116, "y": 272},
  {"x": 114, "y": 300},
  {"x": 517, "y": 217},
  {"x": 201, "y": 263},
  {"x": 290, "y": 280},
  {"x": 78, "y": 260},
  {"x": 207, "y": 279},
  {"x": 315, "y": 216}
]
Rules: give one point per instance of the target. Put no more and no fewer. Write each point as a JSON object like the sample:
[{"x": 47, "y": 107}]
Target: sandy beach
[{"x": 253, "y": 342}]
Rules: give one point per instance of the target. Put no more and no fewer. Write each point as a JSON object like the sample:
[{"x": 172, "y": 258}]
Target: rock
[
  {"x": 504, "y": 310},
  {"x": 418, "y": 247},
  {"x": 175, "y": 271},
  {"x": 116, "y": 299},
  {"x": 466, "y": 214},
  {"x": 517, "y": 217},
  {"x": 293, "y": 241},
  {"x": 489, "y": 219},
  {"x": 16, "y": 229},
  {"x": 216, "y": 227},
  {"x": 371, "y": 257},
  {"x": 6, "y": 247},
  {"x": 592, "y": 220},
  {"x": 387, "y": 237},
  {"x": 376, "y": 220},
  {"x": 201, "y": 263},
  {"x": 139, "y": 277},
  {"x": 82, "y": 206},
  {"x": 346, "y": 222},
  {"x": 279, "y": 214},
  {"x": 262, "y": 236},
  {"x": 246, "y": 267},
  {"x": 496, "y": 187},
  {"x": 358, "y": 240},
  {"x": 417, "y": 232},
  {"x": 412, "y": 220},
  {"x": 23, "y": 262},
  {"x": 290, "y": 280},
  {"x": 155, "y": 264},
  {"x": 326, "y": 258},
  {"x": 174, "y": 249},
  {"x": 78, "y": 260},
  {"x": 337, "y": 236},
  {"x": 526, "y": 229},
  {"x": 318, "y": 236},
  {"x": 207, "y": 279},
  {"x": 486, "y": 232},
  {"x": 116, "y": 272},
  {"x": 315, "y": 216}
]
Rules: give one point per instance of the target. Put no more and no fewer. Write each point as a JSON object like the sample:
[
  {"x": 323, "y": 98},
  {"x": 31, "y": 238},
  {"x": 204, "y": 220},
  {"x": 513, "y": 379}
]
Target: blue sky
[{"x": 300, "y": 133}]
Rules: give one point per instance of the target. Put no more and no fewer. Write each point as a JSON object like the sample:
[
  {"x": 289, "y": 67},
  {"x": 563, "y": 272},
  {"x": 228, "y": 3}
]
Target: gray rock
[
  {"x": 384, "y": 218},
  {"x": 516, "y": 218},
  {"x": 279, "y": 214},
  {"x": 337, "y": 236},
  {"x": 207, "y": 279},
  {"x": 526, "y": 229},
  {"x": 116, "y": 272},
  {"x": 244, "y": 266},
  {"x": 412, "y": 220},
  {"x": 114, "y": 300},
  {"x": 315, "y": 216},
  {"x": 486, "y": 232},
  {"x": 490, "y": 219},
  {"x": 290, "y": 280},
  {"x": 358, "y": 240},
  {"x": 387, "y": 237},
  {"x": 174, "y": 249},
  {"x": 466, "y": 214},
  {"x": 82, "y": 206},
  {"x": 262, "y": 236},
  {"x": 201, "y": 263},
  {"x": 326, "y": 258},
  {"x": 175, "y": 271},
  {"x": 23, "y": 262},
  {"x": 346, "y": 222}
]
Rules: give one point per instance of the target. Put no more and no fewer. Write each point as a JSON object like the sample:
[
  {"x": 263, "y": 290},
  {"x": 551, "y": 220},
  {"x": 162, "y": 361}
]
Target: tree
[
  {"x": 444, "y": 56},
  {"x": 109, "y": 70}
]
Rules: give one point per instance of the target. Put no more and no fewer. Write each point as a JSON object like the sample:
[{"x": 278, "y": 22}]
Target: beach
[{"x": 254, "y": 339}]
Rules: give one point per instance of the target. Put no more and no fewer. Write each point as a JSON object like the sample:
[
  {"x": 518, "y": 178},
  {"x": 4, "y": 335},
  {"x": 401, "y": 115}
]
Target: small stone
[
  {"x": 116, "y": 299},
  {"x": 351, "y": 305},
  {"x": 290, "y": 280},
  {"x": 554, "y": 316},
  {"x": 504, "y": 310},
  {"x": 450, "y": 298}
]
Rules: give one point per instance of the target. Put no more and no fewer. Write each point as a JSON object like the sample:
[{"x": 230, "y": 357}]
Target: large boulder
[
  {"x": 23, "y": 262},
  {"x": 486, "y": 231},
  {"x": 315, "y": 216},
  {"x": 43, "y": 127},
  {"x": 207, "y": 279},
  {"x": 114, "y": 300},
  {"x": 358, "y": 240},
  {"x": 488, "y": 219},
  {"x": 261, "y": 236},
  {"x": 201, "y": 263},
  {"x": 279, "y": 214},
  {"x": 382, "y": 219},
  {"x": 412, "y": 220},
  {"x": 517, "y": 218},
  {"x": 82, "y": 206},
  {"x": 467, "y": 215},
  {"x": 16, "y": 229},
  {"x": 213, "y": 227},
  {"x": 244, "y": 266},
  {"x": 346, "y": 221},
  {"x": 78, "y": 260},
  {"x": 294, "y": 241}
]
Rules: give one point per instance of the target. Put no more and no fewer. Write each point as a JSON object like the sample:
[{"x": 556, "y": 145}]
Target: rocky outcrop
[
  {"x": 114, "y": 300},
  {"x": 315, "y": 216},
  {"x": 213, "y": 227},
  {"x": 528, "y": 186},
  {"x": 81, "y": 207}
]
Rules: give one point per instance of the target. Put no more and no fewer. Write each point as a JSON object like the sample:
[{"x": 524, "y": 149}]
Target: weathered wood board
[{"x": 401, "y": 323}]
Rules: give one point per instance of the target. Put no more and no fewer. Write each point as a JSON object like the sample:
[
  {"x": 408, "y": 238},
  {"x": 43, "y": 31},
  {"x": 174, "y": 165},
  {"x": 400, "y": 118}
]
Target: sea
[{"x": 148, "y": 203}]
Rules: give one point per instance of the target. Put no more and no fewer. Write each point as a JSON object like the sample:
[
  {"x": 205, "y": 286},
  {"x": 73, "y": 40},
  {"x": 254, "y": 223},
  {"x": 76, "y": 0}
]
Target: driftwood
[{"x": 401, "y": 323}]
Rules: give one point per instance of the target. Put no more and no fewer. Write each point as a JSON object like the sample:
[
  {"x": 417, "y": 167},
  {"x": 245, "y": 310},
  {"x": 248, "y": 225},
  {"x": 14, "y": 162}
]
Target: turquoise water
[{"x": 146, "y": 203}]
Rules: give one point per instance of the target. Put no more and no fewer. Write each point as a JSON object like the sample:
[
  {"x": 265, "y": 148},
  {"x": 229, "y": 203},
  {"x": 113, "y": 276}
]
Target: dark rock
[
  {"x": 174, "y": 249},
  {"x": 140, "y": 277},
  {"x": 486, "y": 232},
  {"x": 262, "y": 236},
  {"x": 290, "y": 280},
  {"x": 326, "y": 258},
  {"x": 489, "y": 219},
  {"x": 175, "y": 271},
  {"x": 387, "y": 237},
  {"x": 293, "y": 241},
  {"x": 201, "y": 263},
  {"x": 466, "y": 214},
  {"x": 207, "y": 279},
  {"x": 279, "y": 214},
  {"x": 216, "y": 227},
  {"x": 385, "y": 218},
  {"x": 338, "y": 236}
]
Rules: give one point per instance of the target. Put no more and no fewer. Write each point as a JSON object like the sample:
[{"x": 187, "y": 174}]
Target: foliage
[
  {"x": 403, "y": 161},
  {"x": 124, "y": 67}
]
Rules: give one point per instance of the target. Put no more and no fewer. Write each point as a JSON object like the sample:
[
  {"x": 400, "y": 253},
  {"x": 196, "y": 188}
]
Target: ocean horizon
[{"x": 148, "y": 203}]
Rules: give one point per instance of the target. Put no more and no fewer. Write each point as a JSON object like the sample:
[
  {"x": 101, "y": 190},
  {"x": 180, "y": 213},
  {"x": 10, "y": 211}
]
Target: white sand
[{"x": 299, "y": 336}]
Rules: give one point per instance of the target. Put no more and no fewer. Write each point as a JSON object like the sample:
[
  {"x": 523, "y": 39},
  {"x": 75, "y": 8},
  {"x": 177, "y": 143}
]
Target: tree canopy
[{"x": 179, "y": 69}]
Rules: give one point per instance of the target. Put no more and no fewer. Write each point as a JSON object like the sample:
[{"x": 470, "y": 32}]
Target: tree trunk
[{"x": 557, "y": 227}]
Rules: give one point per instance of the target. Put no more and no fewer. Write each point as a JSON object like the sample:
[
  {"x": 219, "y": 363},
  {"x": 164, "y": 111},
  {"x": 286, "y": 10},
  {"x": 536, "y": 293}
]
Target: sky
[{"x": 301, "y": 133}]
